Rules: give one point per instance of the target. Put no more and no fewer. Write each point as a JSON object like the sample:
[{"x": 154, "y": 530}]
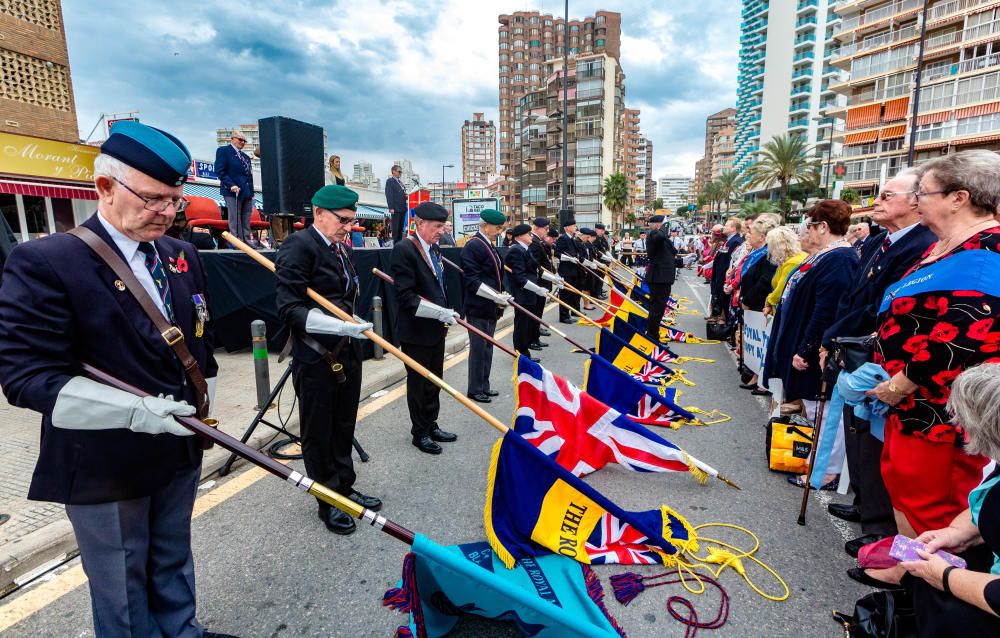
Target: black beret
[
  {"x": 590, "y": 232},
  {"x": 431, "y": 212},
  {"x": 541, "y": 222},
  {"x": 569, "y": 222},
  {"x": 149, "y": 150},
  {"x": 520, "y": 229},
  {"x": 599, "y": 226},
  {"x": 655, "y": 219},
  {"x": 553, "y": 232}
]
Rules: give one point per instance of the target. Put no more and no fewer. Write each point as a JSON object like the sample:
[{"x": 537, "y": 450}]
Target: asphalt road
[{"x": 266, "y": 566}]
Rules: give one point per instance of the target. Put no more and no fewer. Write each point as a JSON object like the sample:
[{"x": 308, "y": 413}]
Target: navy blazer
[
  {"x": 662, "y": 268},
  {"x": 414, "y": 279},
  {"x": 395, "y": 196},
  {"x": 542, "y": 254},
  {"x": 857, "y": 313},
  {"x": 233, "y": 172},
  {"x": 60, "y": 307},
  {"x": 721, "y": 263},
  {"x": 523, "y": 268},
  {"x": 565, "y": 245},
  {"x": 481, "y": 264}
]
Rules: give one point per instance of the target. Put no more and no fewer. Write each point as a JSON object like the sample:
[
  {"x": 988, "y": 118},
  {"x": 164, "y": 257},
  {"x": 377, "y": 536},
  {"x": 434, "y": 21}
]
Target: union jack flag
[
  {"x": 614, "y": 541},
  {"x": 652, "y": 412}
]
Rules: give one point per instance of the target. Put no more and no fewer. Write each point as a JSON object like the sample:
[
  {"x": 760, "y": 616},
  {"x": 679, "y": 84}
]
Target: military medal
[
  {"x": 201, "y": 314},
  {"x": 120, "y": 285}
]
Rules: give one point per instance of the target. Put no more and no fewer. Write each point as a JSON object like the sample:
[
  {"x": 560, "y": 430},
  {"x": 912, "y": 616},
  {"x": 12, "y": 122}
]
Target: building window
[
  {"x": 518, "y": 44},
  {"x": 504, "y": 35},
  {"x": 930, "y": 131},
  {"x": 601, "y": 19},
  {"x": 8, "y": 208},
  {"x": 535, "y": 43},
  {"x": 600, "y": 42},
  {"x": 34, "y": 81},
  {"x": 978, "y": 124}
]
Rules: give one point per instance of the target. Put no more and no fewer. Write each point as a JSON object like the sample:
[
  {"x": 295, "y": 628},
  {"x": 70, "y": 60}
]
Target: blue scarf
[
  {"x": 752, "y": 259},
  {"x": 967, "y": 270}
]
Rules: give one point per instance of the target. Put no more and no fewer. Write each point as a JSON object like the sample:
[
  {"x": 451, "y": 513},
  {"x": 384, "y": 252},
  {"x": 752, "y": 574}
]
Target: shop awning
[
  {"x": 865, "y": 137},
  {"x": 973, "y": 111},
  {"x": 864, "y": 116},
  {"x": 892, "y": 132},
  {"x": 934, "y": 118},
  {"x": 976, "y": 140},
  {"x": 896, "y": 109},
  {"x": 13, "y": 187}
]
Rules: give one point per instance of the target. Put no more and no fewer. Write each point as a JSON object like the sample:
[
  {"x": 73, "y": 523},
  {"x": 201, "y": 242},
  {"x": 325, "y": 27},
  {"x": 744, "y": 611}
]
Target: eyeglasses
[
  {"x": 157, "y": 204},
  {"x": 240, "y": 139},
  {"x": 920, "y": 194},
  {"x": 343, "y": 220},
  {"x": 887, "y": 195}
]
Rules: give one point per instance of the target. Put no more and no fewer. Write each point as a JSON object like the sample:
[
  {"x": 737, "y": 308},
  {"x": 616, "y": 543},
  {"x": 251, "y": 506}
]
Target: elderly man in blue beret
[{"x": 118, "y": 294}]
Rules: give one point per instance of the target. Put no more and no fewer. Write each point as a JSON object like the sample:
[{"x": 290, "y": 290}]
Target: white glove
[
  {"x": 589, "y": 264},
  {"x": 552, "y": 277},
  {"x": 499, "y": 298},
  {"x": 211, "y": 393},
  {"x": 535, "y": 288},
  {"x": 570, "y": 259},
  {"x": 428, "y": 310},
  {"x": 606, "y": 258},
  {"x": 83, "y": 404},
  {"x": 320, "y": 323}
]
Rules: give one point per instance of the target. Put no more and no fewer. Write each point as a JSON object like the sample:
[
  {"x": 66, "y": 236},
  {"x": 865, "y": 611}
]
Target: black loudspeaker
[{"x": 291, "y": 164}]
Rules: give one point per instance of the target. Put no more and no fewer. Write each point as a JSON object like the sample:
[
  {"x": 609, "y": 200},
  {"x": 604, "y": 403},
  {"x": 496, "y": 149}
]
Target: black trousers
[
  {"x": 570, "y": 298},
  {"x": 480, "y": 355},
  {"x": 398, "y": 219},
  {"x": 423, "y": 397},
  {"x": 525, "y": 332},
  {"x": 658, "y": 295},
  {"x": 328, "y": 412},
  {"x": 864, "y": 452}
]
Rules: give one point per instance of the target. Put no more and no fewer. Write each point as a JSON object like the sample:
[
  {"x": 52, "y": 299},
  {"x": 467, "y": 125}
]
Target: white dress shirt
[{"x": 137, "y": 262}]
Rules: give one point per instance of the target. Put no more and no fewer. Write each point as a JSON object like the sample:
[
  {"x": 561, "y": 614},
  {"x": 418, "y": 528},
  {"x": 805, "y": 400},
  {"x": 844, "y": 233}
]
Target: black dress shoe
[
  {"x": 539, "y": 344},
  {"x": 748, "y": 386},
  {"x": 439, "y": 435},
  {"x": 847, "y": 513},
  {"x": 482, "y": 398},
  {"x": 544, "y": 332},
  {"x": 425, "y": 444},
  {"x": 212, "y": 634},
  {"x": 336, "y": 521},
  {"x": 492, "y": 393},
  {"x": 858, "y": 574},
  {"x": 367, "y": 502},
  {"x": 760, "y": 392},
  {"x": 854, "y": 546},
  {"x": 567, "y": 321},
  {"x": 534, "y": 346}
]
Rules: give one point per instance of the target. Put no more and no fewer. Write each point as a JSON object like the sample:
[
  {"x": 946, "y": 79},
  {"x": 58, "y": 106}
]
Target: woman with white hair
[
  {"x": 952, "y": 601},
  {"x": 755, "y": 274},
  {"x": 785, "y": 252}
]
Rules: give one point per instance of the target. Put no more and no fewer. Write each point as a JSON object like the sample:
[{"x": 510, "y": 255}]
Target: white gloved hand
[
  {"x": 552, "y": 277},
  {"x": 320, "y": 323},
  {"x": 535, "y": 288},
  {"x": 428, "y": 310},
  {"x": 499, "y": 298},
  {"x": 607, "y": 258},
  {"x": 84, "y": 404},
  {"x": 589, "y": 264},
  {"x": 570, "y": 259}
]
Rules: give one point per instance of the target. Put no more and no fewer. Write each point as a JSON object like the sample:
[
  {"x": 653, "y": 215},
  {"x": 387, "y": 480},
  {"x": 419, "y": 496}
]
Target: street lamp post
[{"x": 444, "y": 166}]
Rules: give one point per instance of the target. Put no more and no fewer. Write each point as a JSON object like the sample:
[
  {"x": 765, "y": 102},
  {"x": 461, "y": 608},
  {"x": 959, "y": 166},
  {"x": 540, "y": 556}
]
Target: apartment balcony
[
  {"x": 806, "y": 21},
  {"x": 799, "y": 107},
  {"x": 966, "y": 66},
  {"x": 803, "y": 73},
  {"x": 874, "y": 16},
  {"x": 798, "y": 124},
  {"x": 806, "y": 5},
  {"x": 803, "y": 89},
  {"x": 803, "y": 56},
  {"x": 805, "y": 39}
]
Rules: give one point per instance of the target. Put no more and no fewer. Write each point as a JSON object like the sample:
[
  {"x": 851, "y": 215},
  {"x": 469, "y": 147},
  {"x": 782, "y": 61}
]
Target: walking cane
[{"x": 818, "y": 423}]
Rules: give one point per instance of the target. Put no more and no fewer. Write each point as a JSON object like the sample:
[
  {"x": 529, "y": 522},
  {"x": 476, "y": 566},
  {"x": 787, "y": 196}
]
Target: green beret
[
  {"x": 335, "y": 197},
  {"x": 492, "y": 216}
]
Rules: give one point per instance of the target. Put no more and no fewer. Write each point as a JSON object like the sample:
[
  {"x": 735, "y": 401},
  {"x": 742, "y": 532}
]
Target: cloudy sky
[{"x": 386, "y": 79}]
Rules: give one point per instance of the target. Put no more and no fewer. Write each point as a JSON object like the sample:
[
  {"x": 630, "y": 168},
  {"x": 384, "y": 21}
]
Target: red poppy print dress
[{"x": 931, "y": 338}]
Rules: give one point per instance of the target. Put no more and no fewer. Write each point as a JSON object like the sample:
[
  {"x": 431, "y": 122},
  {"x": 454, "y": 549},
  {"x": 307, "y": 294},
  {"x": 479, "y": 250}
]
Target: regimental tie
[
  {"x": 155, "y": 268},
  {"x": 438, "y": 267},
  {"x": 339, "y": 252},
  {"x": 244, "y": 161}
]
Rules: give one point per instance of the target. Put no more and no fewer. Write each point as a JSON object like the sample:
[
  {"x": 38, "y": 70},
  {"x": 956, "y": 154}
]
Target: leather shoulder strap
[
  {"x": 171, "y": 334},
  {"x": 422, "y": 253}
]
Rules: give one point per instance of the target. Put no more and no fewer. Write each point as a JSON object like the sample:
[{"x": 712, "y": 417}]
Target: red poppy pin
[{"x": 177, "y": 265}]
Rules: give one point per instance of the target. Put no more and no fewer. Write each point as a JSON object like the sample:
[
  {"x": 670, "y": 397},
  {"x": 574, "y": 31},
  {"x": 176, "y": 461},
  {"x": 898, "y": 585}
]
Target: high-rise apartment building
[
  {"x": 649, "y": 184},
  {"x": 723, "y": 151},
  {"x": 595, "y": 88},
  {"x": 479, "y": 149},
  {"x": 528, "y": 40},
  {"x": 674, "y": 191},
  {"x": 410, "y": 179},
  {"x": 633, "y": 153},
  {"x": 726, "y": 118},
  {"x": 959, "y": 103},
  {"x": 36, "y": 93},
  {"x": 252, "y": 133},
  {"x": 785, "y": 75},
  {"x": 363, "y": 175}
]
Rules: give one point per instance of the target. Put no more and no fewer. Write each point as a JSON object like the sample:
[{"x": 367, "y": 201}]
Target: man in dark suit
[
  {"x": 602, "y": 247},
  {"x": 126, "y": 470},
  {"x": 235, "y": 173},
  {"x": 541, "y": 252},
  {"x": 660, "y": 274},
  {"x": 395, "y": 198},
  {"x": 720, "y": 300},
  {"x": 483, "y": 300},
  {"x": 887, "y": 256},
  {"x": 320, "y": 258},
  {"x": 422, "y": 321},
  {"x": 525, "y": 284},
  {"x": 569, "y": 269}
]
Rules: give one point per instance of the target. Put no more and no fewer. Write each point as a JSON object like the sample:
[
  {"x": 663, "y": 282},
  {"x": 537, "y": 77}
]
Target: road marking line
[{"x": 51, "y": 590}]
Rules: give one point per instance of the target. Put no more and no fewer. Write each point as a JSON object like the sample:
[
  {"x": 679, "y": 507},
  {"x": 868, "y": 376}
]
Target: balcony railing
[
  {"x": 801, "y": 22},
  {"x": 799, "y": 90},
  {"x": 802, "y": 122},
  {"x": 806, "y": 72},
  {"x": 802, "y": 39},
  {"x": 943, "y": 40},
  {"x": 879, "y": 14},
  {"x": 799, "y": 106},
  {"x": 805, "y": 4},
  {"x": 805, "y": 55},
  {"x": 981, "y": 31}
]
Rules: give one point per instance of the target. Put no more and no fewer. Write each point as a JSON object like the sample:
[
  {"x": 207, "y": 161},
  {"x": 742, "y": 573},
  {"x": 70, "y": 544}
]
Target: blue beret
[
  {"x": 590, "y": 232},
  {"x": 431, "y": 212},
  {"x": 149, "y": 150},
  {"x": 335, "y": 197},
  {"x": 599, "y": 226},
  {"x": 655, "y": 219},
  {"x": 492, "y": 216},
  {"x": 520, "y": 229},
  {"x": 553, "y": 232},
  {"x": 541, "y": 222}
]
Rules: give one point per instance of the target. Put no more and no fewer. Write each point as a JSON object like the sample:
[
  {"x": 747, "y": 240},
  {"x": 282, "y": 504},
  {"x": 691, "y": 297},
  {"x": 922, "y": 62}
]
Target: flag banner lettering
[
  {"x": 641, "y": 402},
  {"x": 756, "y": 332},
  {"x": 583, "y": 435},
  {"x": 547, "y": 597},
  {"x": 534, "y": 506}
]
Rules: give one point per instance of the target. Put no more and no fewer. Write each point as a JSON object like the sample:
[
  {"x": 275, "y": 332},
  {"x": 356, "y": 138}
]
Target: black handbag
[
  {"x": 717, "y": 331},
  {"x": 883, "y": 614},
  {"x": 853, "y": 352}
]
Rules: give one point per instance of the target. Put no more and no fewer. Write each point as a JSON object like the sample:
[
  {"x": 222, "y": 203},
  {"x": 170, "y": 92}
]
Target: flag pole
[
  {"x": 375, "y": 338},
  {"x": 282, "y": 471}
]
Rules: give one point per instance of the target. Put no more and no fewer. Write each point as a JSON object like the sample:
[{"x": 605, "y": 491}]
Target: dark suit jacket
[
  {"x": 565, "y": 245},
  {"x": 395, "y": 196},
  {"x": 542, "y": 256},
  {"x": 415, "y": 278},
  {"x": 662, "y": 268},
  {"x": 523, "y": 268},
  {"x": 755, "y": 285},
  {"x": 857, "y": 312},
  {"x": 721, "y": 263},
  {"x": 232, "y": 171},
  {"x": 60, "y": 307},
  {"x": 481, "y": 264},
  {"x": 305, "y": 261}
]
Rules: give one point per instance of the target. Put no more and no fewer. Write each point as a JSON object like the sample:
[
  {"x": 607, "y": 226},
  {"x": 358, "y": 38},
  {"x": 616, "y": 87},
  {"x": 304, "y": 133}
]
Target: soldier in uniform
[
  {"x": 326, "y": 352},
  {"x": 125, "y": 469},
  {"x": 525, "y": 278},
  {"x": 660, "y": 274},
  {"x": 484, "y": 301},
  {"x": 566, "y": 252},
  {"x": 589, "y": 281},
  {"x": 541, "y": 251},
  {"x": 603, "y": 248},
  {"x": 422, "y": 321}
]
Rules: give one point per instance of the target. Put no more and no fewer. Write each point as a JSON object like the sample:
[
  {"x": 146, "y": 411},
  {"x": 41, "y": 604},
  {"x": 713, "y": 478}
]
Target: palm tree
[
  {"x": 658, "y": 203},
  {"x": 712, "y": 193},
  {"x": 783, "y": 159},
  {"x": 729, "y": 186},
  {"x": 615, "y": 195},
  {"x": 753, "y": 209}
]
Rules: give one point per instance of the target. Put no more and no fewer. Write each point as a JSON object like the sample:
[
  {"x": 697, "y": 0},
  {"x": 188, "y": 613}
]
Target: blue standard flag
[{"x": 642, "y": 403}]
